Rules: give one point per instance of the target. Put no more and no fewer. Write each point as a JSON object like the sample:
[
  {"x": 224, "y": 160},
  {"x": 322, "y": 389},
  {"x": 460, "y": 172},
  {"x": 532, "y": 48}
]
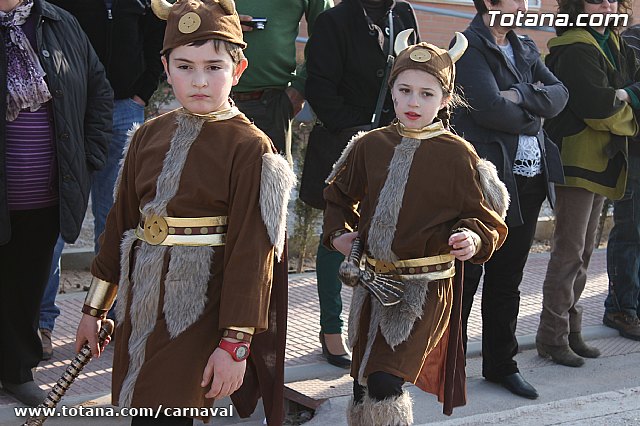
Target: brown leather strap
[{"x": 238, "y": 335}]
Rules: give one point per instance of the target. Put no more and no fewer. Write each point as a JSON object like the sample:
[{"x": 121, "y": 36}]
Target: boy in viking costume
[
  {"x": 419, "y": 198},
  {"x": 196, "y": 228}
]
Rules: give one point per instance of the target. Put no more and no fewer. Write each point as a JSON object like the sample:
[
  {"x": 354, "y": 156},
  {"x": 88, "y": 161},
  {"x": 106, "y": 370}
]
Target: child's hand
[
  {"x": 463, "y": 244},
  {"x": 344, "y": 242},
  {"x": 88, "y": 330},
  {"x": 227, "y": 374}
]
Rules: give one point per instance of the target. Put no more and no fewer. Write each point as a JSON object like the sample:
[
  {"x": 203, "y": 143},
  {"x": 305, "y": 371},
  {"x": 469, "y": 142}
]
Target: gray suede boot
[
  {"x": 560, "y": 354},
  {"x": 580, "y": 347}
]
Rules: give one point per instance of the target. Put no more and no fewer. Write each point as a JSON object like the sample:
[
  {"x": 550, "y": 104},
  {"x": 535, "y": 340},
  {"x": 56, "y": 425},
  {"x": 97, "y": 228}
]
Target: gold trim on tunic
[
  {"x": 429, "y": 268},
  {"x": 426, "y": 132},
  {"x": 247, "y": 330},
  {"x": 224, "y": 114},
  {"x": 183, "y": 231},
  {"x": 416, "y": 263}
]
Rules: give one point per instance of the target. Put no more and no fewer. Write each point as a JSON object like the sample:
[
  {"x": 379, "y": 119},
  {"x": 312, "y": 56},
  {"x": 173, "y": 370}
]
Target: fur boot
[
  {"x": 395, "y": 411},
  {"x": 354, "y": 414}
]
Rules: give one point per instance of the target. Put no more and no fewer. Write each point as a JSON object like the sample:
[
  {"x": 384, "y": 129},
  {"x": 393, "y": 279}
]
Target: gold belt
[
  {"x": 431, "y": 268},
  {"x": 183, "y": 231}
]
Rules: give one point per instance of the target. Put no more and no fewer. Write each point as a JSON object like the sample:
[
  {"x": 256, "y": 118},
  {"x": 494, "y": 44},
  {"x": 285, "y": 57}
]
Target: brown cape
[
  {"x": 264, "y": 377},
  {"x": 448, "y": 358}
]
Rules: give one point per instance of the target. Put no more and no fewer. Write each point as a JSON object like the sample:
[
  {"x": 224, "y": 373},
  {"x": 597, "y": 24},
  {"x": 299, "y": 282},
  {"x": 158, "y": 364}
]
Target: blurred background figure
[
  {"x": 622, "y": 306},
  {"x": 56, "y": 127},
  {"x": 599, "y": 70},
  {"x": 510, "y": 91},
  {"x": 127, "y": 37},
  {"x": 271, "y": 91}
]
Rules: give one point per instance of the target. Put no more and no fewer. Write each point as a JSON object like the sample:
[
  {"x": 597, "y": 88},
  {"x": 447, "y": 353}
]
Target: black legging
[{"x": 381, "y": 386}]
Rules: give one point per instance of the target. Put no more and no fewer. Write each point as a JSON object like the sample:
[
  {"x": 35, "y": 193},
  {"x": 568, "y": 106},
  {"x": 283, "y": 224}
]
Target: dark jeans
[
  {"x": 272, "y": 114},
  {"x": 500, "y": 291},
  {"x": 329, "y": 286},
  {"x": 25, "y": 262},
  {"x": 623, "y": 250},
  {"x": 381, "y": 385},
  {"x": 126, "y": 113}
]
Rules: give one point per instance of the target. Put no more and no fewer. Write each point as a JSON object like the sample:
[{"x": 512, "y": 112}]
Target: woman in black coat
[
  {"x": 510, "y": 92},
  {"x": 55, "y": 104}
]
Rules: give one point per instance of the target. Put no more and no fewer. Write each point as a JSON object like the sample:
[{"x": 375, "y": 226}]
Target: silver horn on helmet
[
  {"x": 458, "y": 48},
  {"x": 402, "y": 41},
  {"x": 161, "y": 8},
  {"x": 456, "y": 51}
]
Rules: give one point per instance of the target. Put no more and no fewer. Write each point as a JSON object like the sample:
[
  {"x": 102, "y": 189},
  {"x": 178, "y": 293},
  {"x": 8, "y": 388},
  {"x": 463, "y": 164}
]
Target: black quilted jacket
[{"x": 82, "y": 108}]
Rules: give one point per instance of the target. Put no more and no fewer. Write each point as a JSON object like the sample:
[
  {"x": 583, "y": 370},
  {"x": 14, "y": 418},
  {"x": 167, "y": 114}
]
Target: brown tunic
[
  {"x": 442, "y": 193},
  {"x": 221, "y": 177}
]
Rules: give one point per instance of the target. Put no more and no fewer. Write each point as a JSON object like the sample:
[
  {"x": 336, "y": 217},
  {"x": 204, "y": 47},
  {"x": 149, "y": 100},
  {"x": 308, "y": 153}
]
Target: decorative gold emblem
[
  {"x": 189, "y": 23},
  {"x": 384, "y": 267},
  {"x": 420, "y": 55},
  {"x": 227, "y": 5},
  {"x": 155, "y": 230}
]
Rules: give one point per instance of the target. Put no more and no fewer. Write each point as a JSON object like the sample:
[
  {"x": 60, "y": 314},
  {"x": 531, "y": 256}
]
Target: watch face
[{"x": 242, "y": 352}]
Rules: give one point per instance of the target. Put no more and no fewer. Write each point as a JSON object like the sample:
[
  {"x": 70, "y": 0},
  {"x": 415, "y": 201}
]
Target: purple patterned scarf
[{"x": 25, "y": 76}]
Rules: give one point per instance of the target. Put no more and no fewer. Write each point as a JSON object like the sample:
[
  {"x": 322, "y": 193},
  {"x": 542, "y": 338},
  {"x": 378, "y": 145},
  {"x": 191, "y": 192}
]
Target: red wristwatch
[{"x": 239, "y": 351}]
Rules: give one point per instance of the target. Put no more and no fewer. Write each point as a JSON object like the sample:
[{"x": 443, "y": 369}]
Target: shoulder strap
[{"x": 382, "y": 93}]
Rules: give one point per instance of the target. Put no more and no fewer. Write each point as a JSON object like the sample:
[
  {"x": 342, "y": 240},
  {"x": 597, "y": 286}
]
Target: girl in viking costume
[
  {"x": 418, "y": 198},
  {"x": 192, "y": 239}
]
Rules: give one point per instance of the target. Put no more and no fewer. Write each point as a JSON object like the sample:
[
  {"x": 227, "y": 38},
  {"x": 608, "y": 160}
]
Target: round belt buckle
[{"x": 155, "y": 230}]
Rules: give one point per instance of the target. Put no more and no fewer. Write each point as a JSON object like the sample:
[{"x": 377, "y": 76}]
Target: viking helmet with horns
[
  {"x": 429, "y": 58},
  {"x": 194, "y": 20}
]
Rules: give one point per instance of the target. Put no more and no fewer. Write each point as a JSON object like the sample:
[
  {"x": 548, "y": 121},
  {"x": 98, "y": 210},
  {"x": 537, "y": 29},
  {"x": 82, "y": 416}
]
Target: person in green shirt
[{"x": 272, "y": 92}]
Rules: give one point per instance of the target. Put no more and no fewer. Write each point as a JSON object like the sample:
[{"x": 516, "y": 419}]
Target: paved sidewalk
[{"x": 303, "y": 349}]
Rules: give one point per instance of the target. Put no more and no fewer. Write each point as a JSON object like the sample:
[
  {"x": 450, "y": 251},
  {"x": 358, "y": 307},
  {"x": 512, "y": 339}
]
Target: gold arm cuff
[
  {"x": 101, "y": 294},
  {"x": 248, "y": 330}
]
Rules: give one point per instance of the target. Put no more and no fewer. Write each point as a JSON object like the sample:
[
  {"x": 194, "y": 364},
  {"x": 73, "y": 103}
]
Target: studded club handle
[{"x": 72, "y": 372}]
